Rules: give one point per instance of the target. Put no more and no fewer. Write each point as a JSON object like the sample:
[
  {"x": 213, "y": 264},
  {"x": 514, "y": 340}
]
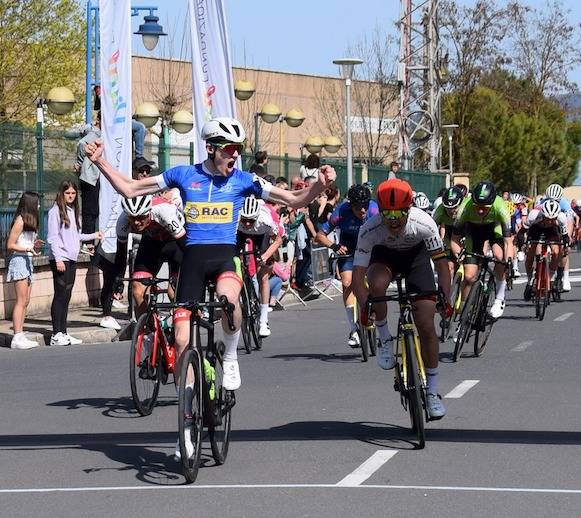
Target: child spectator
[
  {"x": 23, "y": 245},
  {"x": 64, "y": 239}
]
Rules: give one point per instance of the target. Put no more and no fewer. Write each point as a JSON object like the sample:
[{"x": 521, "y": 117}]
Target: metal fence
[{"x": 18, "y": 172}]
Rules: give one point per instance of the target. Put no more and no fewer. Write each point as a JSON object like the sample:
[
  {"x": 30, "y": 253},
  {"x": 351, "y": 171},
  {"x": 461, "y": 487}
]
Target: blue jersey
[
  {"x": 348, "y": 223},
  {"x": 212, "y": 203}
]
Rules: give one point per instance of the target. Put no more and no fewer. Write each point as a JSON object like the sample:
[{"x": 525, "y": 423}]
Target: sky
[{"x": 301, "y": 36}]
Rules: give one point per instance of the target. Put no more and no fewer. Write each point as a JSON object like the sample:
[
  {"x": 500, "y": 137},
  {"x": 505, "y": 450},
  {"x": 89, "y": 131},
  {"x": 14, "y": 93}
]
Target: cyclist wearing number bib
[
  {"x": 484, "y": 217},
  {"x": 402, "y": 239},
  {"x": 161, "y": 225},
  {"x": 348, "y": 217},
  {"x": 212, "y": 193}
]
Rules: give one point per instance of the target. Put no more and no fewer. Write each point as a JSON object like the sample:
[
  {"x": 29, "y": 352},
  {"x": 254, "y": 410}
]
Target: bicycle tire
[
  {"x": 413, "y": 392},
  {"x": 362, "y": 332},
  {"x": 144, "y": 390},
  {"x": 372, "y": 341},
  {"x": 190, "y": 412},
  {"x": 221, "y": 409},
  {"x": 467, "y": 317},
  {"x": 542, "y": 293},
  {"x": 481, "y": 336},
  {"x": 509, "y": 274},
  {"x": 254, "y": 316},
  {"x": 245, "y": 327}
]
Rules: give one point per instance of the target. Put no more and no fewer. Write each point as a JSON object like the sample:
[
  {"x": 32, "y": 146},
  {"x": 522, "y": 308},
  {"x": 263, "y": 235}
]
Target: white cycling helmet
[
  {"x": 554, "y": 192},
  {"x": 421, "y": 201},
  {"x": 223, "y": 129},
  {"x": 137, "y": 206},
  {"x": 551, "y": 209},
  {"x": 516, "y": 198},
  {"x": 250, "y": 209}
]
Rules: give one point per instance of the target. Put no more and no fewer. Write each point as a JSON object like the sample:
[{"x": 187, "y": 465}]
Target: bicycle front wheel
[
  {"x": 362, "y": 332},
  {"x": 485, "y": 321},
  {"x": 190, "y": 418},
  {"x": 220, "y": 402},
  {"x": 414, "y": 391},
  {"x": 372, "y": 340},
  {"x": 542, "y": 295},
  {"x": 143, "y": 376},
  {"x": 245, "y": 327},
  {"x": 467, "y": 318}
]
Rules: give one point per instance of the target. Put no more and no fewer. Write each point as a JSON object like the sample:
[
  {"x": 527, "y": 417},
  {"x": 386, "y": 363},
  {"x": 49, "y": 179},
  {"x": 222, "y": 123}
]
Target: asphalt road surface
[{"x": 316, "y": 432}]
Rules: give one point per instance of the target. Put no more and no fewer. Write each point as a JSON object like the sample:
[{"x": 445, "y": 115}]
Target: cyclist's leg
[
  {"x": 148, "y": 261},
  {"x": 345, "y": 267}
]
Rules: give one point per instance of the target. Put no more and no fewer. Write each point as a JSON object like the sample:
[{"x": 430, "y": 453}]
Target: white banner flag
[
  {"x": 213, "y": 86},
  {"x": 115, "y": 68}
]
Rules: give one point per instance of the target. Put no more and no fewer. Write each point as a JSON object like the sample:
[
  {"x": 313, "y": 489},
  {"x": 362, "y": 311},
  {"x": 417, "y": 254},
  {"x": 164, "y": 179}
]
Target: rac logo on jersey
[
  {"x": 208, "y": 212},
  {"x": 195, "y": 186}
]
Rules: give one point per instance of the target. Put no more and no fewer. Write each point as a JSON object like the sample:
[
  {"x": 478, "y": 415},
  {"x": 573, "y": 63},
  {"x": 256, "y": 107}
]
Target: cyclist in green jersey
[{"x": 484, "y": 217}]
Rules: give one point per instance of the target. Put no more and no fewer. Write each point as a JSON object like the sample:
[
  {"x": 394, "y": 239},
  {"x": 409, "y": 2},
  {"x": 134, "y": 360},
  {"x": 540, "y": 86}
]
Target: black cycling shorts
[
  {"x": 202, "y": 264},
  {"x": 477, "y": 236},
  {"x": 152, "y": 253},
  {"x": 551, "y": 233},
  {"x": 414, "y": 264}
]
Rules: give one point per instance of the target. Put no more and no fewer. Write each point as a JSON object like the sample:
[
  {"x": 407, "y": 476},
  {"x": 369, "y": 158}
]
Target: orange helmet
[{"x": 394, "y": 194}]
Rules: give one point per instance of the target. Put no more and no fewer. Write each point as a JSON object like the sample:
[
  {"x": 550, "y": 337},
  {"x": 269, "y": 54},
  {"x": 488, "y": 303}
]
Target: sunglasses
[
  {"x": 359, "y": 206},
  {"x": 395, "y": 213},
  {"x": 247, "y": 221},
  {"x": 229, "y": 148}
]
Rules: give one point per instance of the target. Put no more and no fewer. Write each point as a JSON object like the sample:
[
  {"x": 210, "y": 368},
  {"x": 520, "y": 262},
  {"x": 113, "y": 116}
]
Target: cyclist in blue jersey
[
  {"x": 213, "y": 193},
  {"x": 348, "y": 218}
]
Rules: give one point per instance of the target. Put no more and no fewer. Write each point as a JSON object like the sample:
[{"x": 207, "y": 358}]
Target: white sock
[
  {"x": 231, "y": 343},
  {"x": 383, "y": 330},
  {"x": 350, "y": 318},
  {"x": 432, "y": 375},
  {"x": 263, "y": 313},
  {"x": 566, "y": 275},
  {"x": 500, "y": 289}
]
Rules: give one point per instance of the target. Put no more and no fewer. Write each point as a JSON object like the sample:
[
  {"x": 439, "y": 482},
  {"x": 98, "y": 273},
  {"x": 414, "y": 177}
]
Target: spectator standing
[
  {"x": 23, "y": 245},
  {"x": 310, "y": 169},
  {"x": 393, "y": 170},
  {"x": 261, "y": 159},
  {"x": 64, "y": 241},
  {"x": 88, "y": 180}
]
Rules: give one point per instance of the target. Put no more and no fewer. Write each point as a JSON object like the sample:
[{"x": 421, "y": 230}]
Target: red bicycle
[
  {"x": 542, "y": 286},
  {"x": 153, "y": 355}
]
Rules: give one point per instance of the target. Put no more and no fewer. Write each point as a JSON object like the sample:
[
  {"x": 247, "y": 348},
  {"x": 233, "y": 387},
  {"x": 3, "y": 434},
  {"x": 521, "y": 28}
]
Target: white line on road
[
  {"x": 574, "y": 278},
  {"x": 460, "y": 390},
  {"x": 522, "y": 346},
  {"x": 289, "y": 486},
  {"x": 563, "y": 317},
  {"x": 368, "y": 468}
]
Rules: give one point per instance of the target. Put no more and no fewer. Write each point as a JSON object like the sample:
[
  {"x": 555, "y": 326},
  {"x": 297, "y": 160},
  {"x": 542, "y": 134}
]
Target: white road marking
[
  {"x": 460, "y": 390},
  {"x": 522, "y": 346},
  {"x": 194, "y": 487},
  {"x": 563, "y": 317},
  {"x": 368, "y": 468},
  {"x": 574, "y": 269},
  {"x": 522, "y": 280}
]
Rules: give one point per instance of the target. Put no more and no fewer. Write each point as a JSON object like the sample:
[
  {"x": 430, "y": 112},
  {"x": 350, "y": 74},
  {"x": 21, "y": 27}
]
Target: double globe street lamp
[{"x": 271, "y": 113}]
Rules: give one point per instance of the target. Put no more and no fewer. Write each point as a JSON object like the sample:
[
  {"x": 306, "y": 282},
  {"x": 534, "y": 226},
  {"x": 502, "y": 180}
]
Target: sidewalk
[{"x": 82, "y": 323}]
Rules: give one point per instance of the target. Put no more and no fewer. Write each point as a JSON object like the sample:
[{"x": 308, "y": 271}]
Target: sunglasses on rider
[
  {"x": 359, "y": 206},
  {"x": 394, "y": 214},
  {"x": 247, "y": 221},
  {"x": 229, "y": 148}
]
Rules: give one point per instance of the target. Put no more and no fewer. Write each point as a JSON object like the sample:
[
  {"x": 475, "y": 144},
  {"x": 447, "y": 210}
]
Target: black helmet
[
  {"x": 484, "y": 193},
  {"x": 463, "y": 189},
  {"x": 452, "y": 197},
  {"x": 358, "y": 194}
]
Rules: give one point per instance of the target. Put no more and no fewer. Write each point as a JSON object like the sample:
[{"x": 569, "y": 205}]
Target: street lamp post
[
  {"x": 450, "y": 131},
  {"x": 269, "y": 113},
  {"x": 347, "y": 65},
  {"x": 59, "y": 101},
  {"x": 150, "y": 32},
  {"x": 294, "y": 118}
]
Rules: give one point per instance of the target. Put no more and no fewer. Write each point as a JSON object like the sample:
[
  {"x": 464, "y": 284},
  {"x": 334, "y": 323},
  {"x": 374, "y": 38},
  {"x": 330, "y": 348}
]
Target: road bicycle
[
  {"x": 250, "y": 304},
  {"x": 455, "y": 298},
  {"x": 202, "y": 399},
  {"x": 475, "y": 318},
  {"x": 409, "y": 372},
  {"x": 542, "y": 287},
  {"x": 152, "y": 354}
]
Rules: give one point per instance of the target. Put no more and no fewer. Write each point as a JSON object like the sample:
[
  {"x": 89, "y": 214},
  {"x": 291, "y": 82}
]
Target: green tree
[{"x": 41, "y": 46}]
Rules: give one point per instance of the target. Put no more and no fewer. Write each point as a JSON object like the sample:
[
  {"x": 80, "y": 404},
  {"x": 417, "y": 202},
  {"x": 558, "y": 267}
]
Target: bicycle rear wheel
[
  {"x": 467, "y": 318},
  {"x": 542, "y": 295},
  {"x": 190, "y": 418},
  {"x": 254, "y": 316},
  {"x": 362, "y": 332},
  {"x": 143, "y": 376},
  {"x": 413, "y": 391},
  {"x": 372, "y": 340},
  {"x": 485, "y": 321},
  {"x": 220, "y": 402}
]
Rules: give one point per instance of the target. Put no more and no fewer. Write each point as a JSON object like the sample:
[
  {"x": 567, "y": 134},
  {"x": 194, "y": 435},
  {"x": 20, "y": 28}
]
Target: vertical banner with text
[
  {"x": 115, "y": 67},
  {"x": 212, "y": 83}
]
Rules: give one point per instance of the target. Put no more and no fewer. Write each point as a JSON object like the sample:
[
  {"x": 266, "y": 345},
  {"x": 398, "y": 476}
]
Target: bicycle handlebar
[
  {"x": 486, "y": 258},
  {"x": 194, "y": 307},
  {"x": 146, "y": 281}
]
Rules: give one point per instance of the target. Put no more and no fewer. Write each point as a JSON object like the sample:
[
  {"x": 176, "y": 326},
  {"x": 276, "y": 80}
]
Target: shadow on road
[
  {"x": 119, "y": 408},
  {"x": 345, "y": 357}
]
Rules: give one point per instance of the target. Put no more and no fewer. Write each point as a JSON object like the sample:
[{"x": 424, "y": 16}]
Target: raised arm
[
  {"x": 298, "y": 199},
  {"x": 124, "y": 185}
]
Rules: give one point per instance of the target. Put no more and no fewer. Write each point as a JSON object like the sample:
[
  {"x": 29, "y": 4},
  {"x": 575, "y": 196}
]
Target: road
[{"x": 316, "y": 432}]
